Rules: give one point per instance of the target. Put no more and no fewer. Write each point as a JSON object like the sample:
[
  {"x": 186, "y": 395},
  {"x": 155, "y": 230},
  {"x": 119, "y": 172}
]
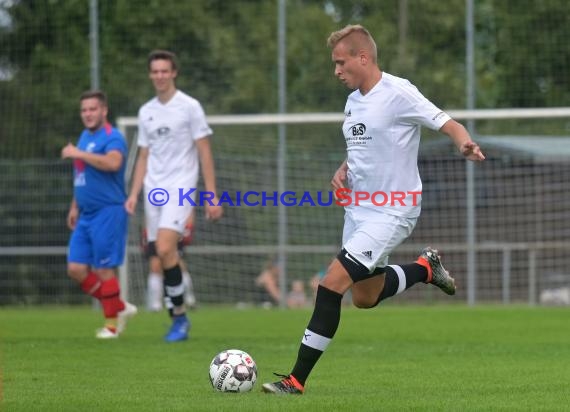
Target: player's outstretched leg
[
  {"x": 317, "y": 336},
  {"x": 438, "y": 276}
]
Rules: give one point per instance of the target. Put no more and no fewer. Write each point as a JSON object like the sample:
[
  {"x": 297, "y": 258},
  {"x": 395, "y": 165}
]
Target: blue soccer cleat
[{"x": 179, "y": 330}]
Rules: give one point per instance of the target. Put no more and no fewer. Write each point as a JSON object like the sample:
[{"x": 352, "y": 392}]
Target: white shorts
[
  {"x": 370, "y": 236},
  {"x": 169, "y": 216}
]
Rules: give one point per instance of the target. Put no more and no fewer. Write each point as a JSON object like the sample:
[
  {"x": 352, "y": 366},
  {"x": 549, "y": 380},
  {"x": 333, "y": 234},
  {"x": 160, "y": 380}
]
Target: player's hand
[
  {"x": 339, "y": 178},
  {"x": 72, "y": 218},
  {"x": 213, "y": 211},
  {"x": 69, "y": 151},
  {"x": 131, "y": 205},
  {"x": 471, "y": 151},
  {"x": 188, "y": 234},
  {"x": 144, "y": 240}
]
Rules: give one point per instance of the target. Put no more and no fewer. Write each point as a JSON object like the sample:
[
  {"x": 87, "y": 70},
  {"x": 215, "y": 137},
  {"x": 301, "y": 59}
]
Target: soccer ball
[{"x": 233, "y": 370}]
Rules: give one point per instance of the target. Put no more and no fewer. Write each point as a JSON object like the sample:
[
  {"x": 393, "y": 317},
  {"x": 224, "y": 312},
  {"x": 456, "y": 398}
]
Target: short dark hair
[
  {"x": 163, "y": 55},
  {"x": 94, "y": 94}
]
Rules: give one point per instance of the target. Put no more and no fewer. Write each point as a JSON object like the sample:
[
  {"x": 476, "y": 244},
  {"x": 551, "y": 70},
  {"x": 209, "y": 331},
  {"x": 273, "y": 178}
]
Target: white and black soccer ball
[{"x": 233, "y": 370}]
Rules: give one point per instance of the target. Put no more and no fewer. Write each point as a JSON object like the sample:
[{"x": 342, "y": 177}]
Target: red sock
[
  {"x": 92, "y": 285},
  {"x": 110, "y": 298}
]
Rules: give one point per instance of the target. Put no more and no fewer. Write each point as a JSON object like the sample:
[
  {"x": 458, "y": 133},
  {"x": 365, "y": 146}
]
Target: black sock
[
  {"x": 168, "y": 303},
  {"x": 396, "y": 274},
  {"x": 173, "y": 286},
  {"x": 319, "y": 332}
]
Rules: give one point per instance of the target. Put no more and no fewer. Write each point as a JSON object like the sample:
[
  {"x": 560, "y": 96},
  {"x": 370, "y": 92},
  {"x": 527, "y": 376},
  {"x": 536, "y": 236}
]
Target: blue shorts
[{"x": 99, "y": 238}]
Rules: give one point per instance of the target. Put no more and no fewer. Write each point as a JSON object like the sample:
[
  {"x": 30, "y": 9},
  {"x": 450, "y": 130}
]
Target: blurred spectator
[{"x": 296, "y": 297}]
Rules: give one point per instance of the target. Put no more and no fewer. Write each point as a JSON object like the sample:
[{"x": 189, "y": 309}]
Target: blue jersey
[{"x": 94, "y": 188}]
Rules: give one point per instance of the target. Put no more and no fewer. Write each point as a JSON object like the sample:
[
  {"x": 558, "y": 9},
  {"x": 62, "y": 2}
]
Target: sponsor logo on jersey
[
  {"x": 78, "y": 165},
  {"x": 367, "y": 253},
  {"x": 90, "y": 147},
  {"x": 163, "y": 131},
  {"x": 356, "y": 135},
  {"x": 358, "y": 129},
  {"x": 79, "y": 179},
  {"x": 348, "y": 114}
]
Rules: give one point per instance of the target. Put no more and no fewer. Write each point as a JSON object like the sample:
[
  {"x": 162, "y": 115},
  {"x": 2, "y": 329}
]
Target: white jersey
[
  {"x": 170, "y": 131},
  {"x": 382, "y": 133}
]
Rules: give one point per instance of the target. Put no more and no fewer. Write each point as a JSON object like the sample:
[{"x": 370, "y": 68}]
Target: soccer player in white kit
[
  {"x": 382, "y": 124},
  {"x": 173, "y": 137}
]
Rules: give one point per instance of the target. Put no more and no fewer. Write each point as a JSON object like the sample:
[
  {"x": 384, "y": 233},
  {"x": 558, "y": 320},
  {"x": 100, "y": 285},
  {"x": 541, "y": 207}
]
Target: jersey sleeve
[
  {"x": 199, "y": 127},
  {"x": 116, "y": 142},
  {"x": 142, "y": 138},
  {"x": 417, "y": 109}
]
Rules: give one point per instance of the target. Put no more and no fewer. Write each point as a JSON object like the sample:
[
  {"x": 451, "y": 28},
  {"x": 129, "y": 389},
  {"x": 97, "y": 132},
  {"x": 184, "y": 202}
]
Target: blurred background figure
[
  {"x": 268, "y": 281},
  {"x": 296, "y": 297},
  {"x": 155, "y": 284},
  {"x": 97, "y": 217}
]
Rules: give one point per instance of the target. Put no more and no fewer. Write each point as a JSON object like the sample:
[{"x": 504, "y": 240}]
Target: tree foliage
[{"x": 228, "y": 53}]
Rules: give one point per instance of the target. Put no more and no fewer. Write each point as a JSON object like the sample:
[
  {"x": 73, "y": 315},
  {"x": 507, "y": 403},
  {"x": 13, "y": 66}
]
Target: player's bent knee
[
  {"x": 106, "y": 273},
  {"x": 335, "y": 284},
  {"x": 154, "y": 265},
  {"x": 356, "y": 270},
  {"x": 365, "y": 294},
  {"x": 167, "y": 254},
  {"x": 76, "y": 271},
  {"x": 363, "y": 303},
  {"x": 336, "y": 278}
]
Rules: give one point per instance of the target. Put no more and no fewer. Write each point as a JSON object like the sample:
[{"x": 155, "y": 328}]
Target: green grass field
[{"x": 398, "y": 358}]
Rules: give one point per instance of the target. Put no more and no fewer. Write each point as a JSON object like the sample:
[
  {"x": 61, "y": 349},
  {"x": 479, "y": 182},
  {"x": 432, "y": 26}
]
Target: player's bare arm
[
  {"x": 138, "y": 178},
  {"x": 339, "y": 176},
  {"x": 72, "y": 215},
  {"x": 213, "y": 212},
  {"x": 460, "y": 136},
  {"x": 108, "y": 162}
]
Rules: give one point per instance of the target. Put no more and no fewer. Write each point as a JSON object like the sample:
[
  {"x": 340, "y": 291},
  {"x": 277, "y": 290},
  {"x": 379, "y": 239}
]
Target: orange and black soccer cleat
[
  {"x": 437, "y": 275},
  {"x": 286, "y": 386}
]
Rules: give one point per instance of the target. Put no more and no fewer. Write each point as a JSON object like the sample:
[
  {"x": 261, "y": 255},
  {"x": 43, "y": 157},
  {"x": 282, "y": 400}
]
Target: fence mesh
[{"x": 229, "y": 62}]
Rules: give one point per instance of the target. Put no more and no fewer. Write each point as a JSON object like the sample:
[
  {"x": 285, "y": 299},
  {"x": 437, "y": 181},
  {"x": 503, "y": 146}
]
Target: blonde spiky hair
[{"x": 357, "y": 37}]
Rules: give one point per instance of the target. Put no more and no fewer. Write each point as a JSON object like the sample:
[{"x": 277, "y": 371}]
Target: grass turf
[{"x": 392, "y": 358}]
